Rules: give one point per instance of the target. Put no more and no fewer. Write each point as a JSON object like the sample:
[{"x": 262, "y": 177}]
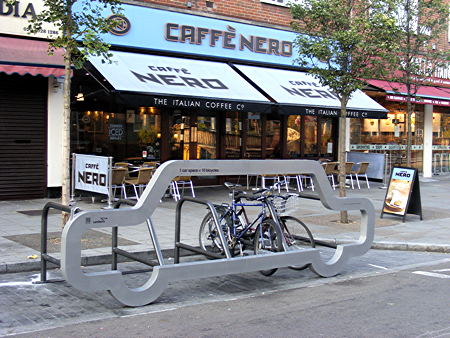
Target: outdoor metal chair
[
  {"x": 330, "y": 171},
  {"x": 181, "y": 181},
  {"x": 361, "y": 171},
  {"x": 118, "y": 181},
  {"x": 144, "y": 175}
]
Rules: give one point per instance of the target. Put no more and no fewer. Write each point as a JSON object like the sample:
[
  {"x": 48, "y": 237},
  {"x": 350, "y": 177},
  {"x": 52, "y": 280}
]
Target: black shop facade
[{"x": 203, "y": 88}]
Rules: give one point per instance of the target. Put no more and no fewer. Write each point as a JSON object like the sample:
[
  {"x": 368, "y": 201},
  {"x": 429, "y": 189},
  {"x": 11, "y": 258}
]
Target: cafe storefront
[
  {"x": 430, "y": 126},
  {"x": 206, "y": 89}
]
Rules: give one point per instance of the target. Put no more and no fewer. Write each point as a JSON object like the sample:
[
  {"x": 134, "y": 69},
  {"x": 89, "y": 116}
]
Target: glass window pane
[
  {"x": 233, "y": 139},
  {"x": 254, "y": 136},
  {"x": 293, "y": 136},
  {"x": 273, "y": 139},
  {"x": 310, "y": 133}
]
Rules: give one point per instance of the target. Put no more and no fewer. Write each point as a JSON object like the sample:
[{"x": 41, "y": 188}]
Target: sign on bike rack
[{"x": 165, "y": 273}]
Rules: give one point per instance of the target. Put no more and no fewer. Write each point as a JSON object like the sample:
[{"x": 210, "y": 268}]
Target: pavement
[{"x": 20, "y": 225}]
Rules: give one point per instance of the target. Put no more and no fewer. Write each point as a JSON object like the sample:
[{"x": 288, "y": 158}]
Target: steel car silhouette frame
[{"x": 113, "y": 281}]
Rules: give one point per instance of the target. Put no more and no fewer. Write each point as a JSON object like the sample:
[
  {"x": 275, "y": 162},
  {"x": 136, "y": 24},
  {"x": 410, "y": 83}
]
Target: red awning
[
  {"x": 24, "y": 56},
  {"x": 439, "y": 96}
]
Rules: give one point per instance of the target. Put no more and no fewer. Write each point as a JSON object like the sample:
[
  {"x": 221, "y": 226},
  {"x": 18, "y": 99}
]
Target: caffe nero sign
[
  {"x": 227, "y": 39},
  {"x": 156, "y": 29}
]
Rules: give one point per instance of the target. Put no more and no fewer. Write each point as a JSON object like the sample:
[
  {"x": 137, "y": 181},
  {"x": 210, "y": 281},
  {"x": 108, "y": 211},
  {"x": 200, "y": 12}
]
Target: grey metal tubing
[
  {"x": 197, "y": 250},
  {"x": 115, "y": 234},
  {"x": 154, "y": 238},
  {"x": 178, "y": 226},
  {"x": 134, "y": 257},
  {"x": 44, "y": 236}
]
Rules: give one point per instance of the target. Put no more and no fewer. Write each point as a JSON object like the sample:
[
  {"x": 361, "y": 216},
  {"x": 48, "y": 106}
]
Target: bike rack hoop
[
  {"x": 179, "y": 245},
  {"x": 45, "y": 257}
]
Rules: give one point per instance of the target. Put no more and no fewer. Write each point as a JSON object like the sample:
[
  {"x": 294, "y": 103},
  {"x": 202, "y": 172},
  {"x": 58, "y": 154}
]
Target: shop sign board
[
  {"x": 116, "y": 132},
  {"x": 403, "y": 193},
  {"x": 387, "y": 147},
  {"x": 180, "y": 83},
  {"x": 418, "y": 100},
  {"x": 200, "y": 35},
  {"x": 14, "y": 18},
  {"x": 91, "y": 173}
]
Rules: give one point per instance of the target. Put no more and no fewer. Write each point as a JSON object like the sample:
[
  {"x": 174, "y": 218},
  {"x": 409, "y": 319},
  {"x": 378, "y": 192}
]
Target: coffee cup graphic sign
[{"x": 402, "y": 190}]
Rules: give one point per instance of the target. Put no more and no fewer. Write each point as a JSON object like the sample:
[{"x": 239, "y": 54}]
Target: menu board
[{"x": 403, "y": 195}]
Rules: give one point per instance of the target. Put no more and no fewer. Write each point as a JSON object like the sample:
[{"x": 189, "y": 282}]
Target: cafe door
[{"x": 193, "y": 136}]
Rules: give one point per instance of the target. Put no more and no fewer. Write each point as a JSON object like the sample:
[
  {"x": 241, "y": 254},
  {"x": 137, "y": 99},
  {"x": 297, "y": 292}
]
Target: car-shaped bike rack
[{"x": 164, "y": 273}]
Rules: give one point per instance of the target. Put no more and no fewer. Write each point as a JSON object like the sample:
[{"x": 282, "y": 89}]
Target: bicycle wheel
[
  {"x": 297, "y": 236},
  {"x": 267, "y": 239},
  {"x": 209, "y": 238}
]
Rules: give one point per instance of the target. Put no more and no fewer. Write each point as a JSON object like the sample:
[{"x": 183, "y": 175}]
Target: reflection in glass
[
  {"x": 310, "y": 133},
  {"x": 206, "y": 137},
  {"x": 233, "y": 139},
  {"x": 253, "y": 149},
  {"x": 273, "y": 139},
  {"x": 293, "y": 136}
]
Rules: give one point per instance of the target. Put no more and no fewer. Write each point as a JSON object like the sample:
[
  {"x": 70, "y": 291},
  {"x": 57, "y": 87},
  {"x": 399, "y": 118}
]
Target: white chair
[
  {"x": 274, "y": 178},
  {"x": 305, "y": 178},
  {"x": 361, "y": 171},
  {"x": 181, "y": 181},
  {"x": 289, "y": 177}
]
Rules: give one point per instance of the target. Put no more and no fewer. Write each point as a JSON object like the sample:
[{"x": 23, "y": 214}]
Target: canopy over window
[
  {"x": 396, "y": 91},
  {"x": 300, "y": 93},
  {"x": 23, "y": 56},
  {"x": 183, "y": 83}
]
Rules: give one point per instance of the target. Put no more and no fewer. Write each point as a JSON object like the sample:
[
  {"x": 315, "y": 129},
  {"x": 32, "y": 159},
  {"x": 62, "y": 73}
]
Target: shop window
[
  {"x": 233, "y": 135},
  {"x": 326, "y": 137},
  {"x": 273, "y": 139},
  {"x": 293, "y": 136},
  {"x": 253, "y": 146},
  {"x": 180, "y": 137},
  {"x": 205, "y": 137},
  {"x": 310, "y": 136}
]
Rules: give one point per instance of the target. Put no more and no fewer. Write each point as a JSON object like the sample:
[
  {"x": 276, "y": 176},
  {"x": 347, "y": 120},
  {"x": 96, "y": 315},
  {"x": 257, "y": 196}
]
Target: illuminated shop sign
[
  {"x": 159, "y": 30},
  {"x": 228, "y": 39},
  {"x": 14, "y": 18}
]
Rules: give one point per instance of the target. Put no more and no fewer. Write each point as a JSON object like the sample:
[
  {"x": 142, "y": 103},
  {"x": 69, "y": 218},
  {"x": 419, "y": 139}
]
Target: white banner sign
[
  {"x": 14, "y": 18},
  {"x": 92, "y": 173}
]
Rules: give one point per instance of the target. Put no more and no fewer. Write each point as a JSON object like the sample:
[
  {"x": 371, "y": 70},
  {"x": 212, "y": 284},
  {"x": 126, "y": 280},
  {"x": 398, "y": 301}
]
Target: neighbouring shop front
[
  {"x": 207, "y": 89},
  {"x": 430, "y": 126}
]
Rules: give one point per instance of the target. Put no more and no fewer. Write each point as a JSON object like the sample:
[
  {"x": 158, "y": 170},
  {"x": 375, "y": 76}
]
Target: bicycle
[
  {"x": 268, "y": 232},
  {"x": 235, "y": 225}
]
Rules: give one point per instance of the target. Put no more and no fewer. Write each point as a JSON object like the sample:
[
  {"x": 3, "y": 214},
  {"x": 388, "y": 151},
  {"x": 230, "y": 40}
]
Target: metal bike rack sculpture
[{"x": 165, "y": 273}]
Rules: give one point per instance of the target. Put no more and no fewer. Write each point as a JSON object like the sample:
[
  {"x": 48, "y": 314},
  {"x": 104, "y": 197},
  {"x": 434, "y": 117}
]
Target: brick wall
[{"x": 252, "y": 10}]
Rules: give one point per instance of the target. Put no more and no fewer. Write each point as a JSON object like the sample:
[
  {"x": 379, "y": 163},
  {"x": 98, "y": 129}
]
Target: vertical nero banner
[{"x": 92, "y": 173}]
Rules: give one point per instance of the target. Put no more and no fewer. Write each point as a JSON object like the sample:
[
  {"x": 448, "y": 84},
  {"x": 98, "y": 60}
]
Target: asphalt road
[
  {"x": 381, "y": 294},
  {"x": 406, "y": 303}
]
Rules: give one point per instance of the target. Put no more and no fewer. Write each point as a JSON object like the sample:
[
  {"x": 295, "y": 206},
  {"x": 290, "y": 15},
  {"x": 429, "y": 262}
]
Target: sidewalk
[{"x": 20, "y": 226}]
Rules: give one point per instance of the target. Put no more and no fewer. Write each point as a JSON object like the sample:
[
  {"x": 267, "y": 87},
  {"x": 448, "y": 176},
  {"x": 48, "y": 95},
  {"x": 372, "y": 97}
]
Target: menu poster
[{"x": 403, "y": 194}]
